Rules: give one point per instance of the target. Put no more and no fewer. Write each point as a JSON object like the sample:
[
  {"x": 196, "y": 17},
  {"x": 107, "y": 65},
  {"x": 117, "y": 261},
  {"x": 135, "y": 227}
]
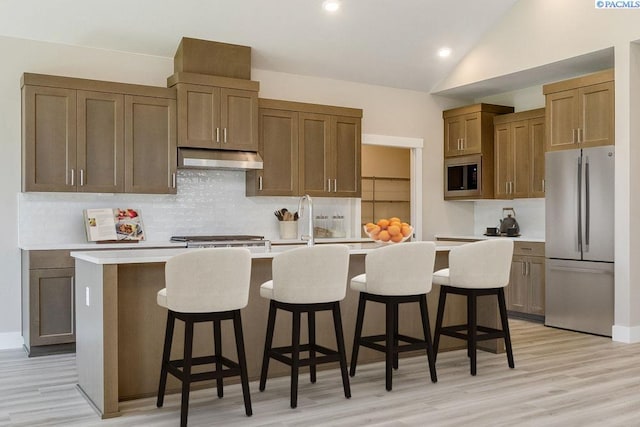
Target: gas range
[{"x": 223, "y": 241}]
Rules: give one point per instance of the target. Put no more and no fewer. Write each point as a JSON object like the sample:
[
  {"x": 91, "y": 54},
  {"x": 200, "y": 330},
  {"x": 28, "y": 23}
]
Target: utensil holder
[{"x": 288, "y": 230}]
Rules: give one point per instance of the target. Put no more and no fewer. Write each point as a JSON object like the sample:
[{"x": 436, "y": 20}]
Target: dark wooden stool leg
[
  {"x": 166, "y": 354},
  {"x": 472, "y": 329},
  {"x": 358, "y": 334},
  {"x": 186, "y": 371},
  {"x": 217, "y": 338},
  {"x": 424, "y": 314},
  {"x": 311, "y": 320},
  {"x": 295, "y": 357},
  {"x": 271, "y": 323},
  {"x": 395, "y": 335},
  {"x": 439, "y": 318},
  {"x": 389, "y": 345},
  {"x": 337, "y": 323},
  {"x": 505, "y": 327},
  {"x": 242, "y": 361}
]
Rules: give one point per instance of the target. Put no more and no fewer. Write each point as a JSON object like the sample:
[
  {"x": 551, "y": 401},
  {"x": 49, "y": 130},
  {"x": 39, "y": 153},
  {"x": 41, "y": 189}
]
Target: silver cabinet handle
[
  {"x": 81, "y": 177},
  {"x": 73, "y": 177},
  {"x": 335, "y": 185},
  {"x": 506, "y": 187},
  {"x": 260, "y": 183},
  {"x": 510, "y": 187},
  {"x": 217, "y": 134},
  {"x": 329, "y": 185},
  {"x": 173, "y": 180},
  {"x": 225, "y": 135},
  {"x": 543, "y": 186},
  {"x": 524, "y": 268},
  {"x": 462, "y": 142},
  {"x": 580, "y": 137}
]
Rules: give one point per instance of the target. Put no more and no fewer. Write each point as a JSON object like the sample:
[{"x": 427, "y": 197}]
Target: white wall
[
  {"x": 386, "y": 112},
  {"x": 539, "y": 32}
]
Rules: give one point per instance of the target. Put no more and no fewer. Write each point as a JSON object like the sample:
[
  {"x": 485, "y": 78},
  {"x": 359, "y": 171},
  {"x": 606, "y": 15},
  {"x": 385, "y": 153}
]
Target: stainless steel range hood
[{"x": 197, "y": 158}]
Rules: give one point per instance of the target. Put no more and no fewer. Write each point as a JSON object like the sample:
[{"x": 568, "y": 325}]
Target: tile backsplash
[
  {"x": 529, "y": 214},
  {"x": 208, "y": 202}
]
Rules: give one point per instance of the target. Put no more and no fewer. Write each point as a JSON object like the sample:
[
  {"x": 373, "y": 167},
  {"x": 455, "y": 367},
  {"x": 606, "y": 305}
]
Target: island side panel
[{"x": 96, "y": 346}]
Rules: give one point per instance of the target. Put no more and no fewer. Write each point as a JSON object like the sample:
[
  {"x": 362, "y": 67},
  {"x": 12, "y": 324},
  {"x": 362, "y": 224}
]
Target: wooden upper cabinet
[
  {"x": 469, "y": 130},
  {"x": 278, "y": 146},
  {"x": 150, "y": 144},
  {"x": 49, "y": 139},
  {"x": 74, "y": 136},
  {"x": 315, "y": 154},
  {"x": 100, "y": 137},
  {"x": 519, "y": 155},
  {"x": 307, "y": 149},
  {"x": 580, "y": 112},
  {"x": 216, "y": 112}
]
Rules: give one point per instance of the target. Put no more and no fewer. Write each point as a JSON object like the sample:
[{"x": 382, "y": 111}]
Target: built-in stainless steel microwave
[{"x": 463, "y": 176}]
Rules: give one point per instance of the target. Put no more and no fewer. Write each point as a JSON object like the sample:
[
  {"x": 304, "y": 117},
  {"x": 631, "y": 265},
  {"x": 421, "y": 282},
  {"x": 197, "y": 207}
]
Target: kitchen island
[{"x": 120, "y": 328}]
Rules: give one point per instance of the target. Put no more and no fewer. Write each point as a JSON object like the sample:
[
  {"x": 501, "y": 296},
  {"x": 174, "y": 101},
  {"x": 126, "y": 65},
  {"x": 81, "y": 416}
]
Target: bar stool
[
  {"x": 205, "y": 285},
  {"x": 306, "y": 280},
  {"x": 395, "y": 275},
  {"x": 476, "y": 269}
]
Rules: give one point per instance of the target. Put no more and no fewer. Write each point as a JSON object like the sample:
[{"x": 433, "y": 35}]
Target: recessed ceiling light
[
  {"x": 444, "y": 52},
  {"x": 331, "y": 5}
]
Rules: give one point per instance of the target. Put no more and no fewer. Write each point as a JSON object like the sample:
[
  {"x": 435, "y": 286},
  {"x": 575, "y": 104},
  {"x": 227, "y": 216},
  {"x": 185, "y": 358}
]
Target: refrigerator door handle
[
  {"x": 587, "y": 204},
  {"x": 579, "y": 204}
]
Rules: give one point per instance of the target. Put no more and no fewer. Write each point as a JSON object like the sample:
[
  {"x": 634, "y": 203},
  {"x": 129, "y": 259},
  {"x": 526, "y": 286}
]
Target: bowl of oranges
[{"x": 388, "y": 230}]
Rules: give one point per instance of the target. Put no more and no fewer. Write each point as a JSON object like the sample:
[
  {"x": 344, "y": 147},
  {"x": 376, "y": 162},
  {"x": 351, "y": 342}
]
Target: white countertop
[
  {"x": 94, "y": 245},
  {"x": 523, "y": 238},
  {"x": 140, "y": 256}
]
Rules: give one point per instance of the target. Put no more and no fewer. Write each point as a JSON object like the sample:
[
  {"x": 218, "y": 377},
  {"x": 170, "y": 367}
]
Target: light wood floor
[{"x": 561, "y": 379}]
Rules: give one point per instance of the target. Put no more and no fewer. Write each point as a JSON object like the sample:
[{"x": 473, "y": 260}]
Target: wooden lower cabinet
[
  {"x": 525, "y": 293},
  {"x": 48, "y": 319}
]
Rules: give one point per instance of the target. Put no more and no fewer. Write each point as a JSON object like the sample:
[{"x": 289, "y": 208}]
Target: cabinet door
[
  {"x": 199, "y": 120},
  {"x": 596, "y": 115},
  {"x": 314, "y": 145},
  {"x": 51, "y": 296},
  {"x": 535, "y": 274},
  {"x": 503, "y": 160},
  {"x": 239, "y": 119},
  {"x": 518, "y": 289},
  {"x": 536, "y": 160},
  {"x": 562, "y": 120},
  {"x": 453, "y": 135},
  {"x": 150, "y": 145},
  {"x": 278, "y": 146},
  {"x": 49, "y": 139},
  {"x": 472, "y": 139},
  {"x": 346, "y": 137},
  {"x": 521, "y": 176},
  {"x": 100, "y": 136}
]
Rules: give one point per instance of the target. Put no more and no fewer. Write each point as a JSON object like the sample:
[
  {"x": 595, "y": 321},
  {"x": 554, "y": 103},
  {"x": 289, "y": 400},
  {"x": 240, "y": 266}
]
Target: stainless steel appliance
[
  {"x": 223, "y": 241},
  {"x": 463, "y": 176},
  {"x": 579, "y": 198}
]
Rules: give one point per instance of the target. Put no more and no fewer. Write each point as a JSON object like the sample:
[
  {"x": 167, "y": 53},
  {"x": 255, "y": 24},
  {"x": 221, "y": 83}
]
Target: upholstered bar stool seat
[
  {"x": 205, "y": 285},
  {"x": 395, "y": 275},
  {"x": 476, "y": 269},
  {"x": 306, "y": 280}
]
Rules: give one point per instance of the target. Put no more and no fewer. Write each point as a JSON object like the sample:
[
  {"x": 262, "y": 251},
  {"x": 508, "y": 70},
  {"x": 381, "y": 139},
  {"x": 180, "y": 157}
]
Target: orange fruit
[
  {"x": 405, "y": 230},
  {"x": 396, "y": 223},
  {"x": 397, "y": 238},
  {"x": 369, "y": 226},
  {"x": 394, "y": 219},
  {"x": 384, "y": 236},
  {"x": 383, "y": 223},
  {"x": 394, "y": 230},
  {"x": 405, "y": 223}
]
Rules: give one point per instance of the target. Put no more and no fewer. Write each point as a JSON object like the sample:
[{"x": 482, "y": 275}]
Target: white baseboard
[
  {"x": 9, "y": 340},
  {"x": 626, "y": 334}
]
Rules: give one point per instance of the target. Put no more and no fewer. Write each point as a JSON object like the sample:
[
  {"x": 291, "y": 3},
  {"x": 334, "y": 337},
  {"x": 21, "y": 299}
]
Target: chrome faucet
[{"x": 310, "y": 239}]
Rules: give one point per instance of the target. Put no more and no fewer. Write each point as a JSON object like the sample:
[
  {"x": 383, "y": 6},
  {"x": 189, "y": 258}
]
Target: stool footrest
[
  {"x": 279, "y": 353},
  {"x": 460, "y": 332},
  {"x": 233, "y": 368},
  {"x": 372, "y": 343}
]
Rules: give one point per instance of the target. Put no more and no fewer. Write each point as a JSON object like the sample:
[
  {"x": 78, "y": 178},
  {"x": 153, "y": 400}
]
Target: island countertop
[{"x": 139, "y": 256}]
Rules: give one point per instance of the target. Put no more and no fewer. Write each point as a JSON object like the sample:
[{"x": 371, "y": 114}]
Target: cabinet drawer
[
  {"x": 528, "y": 248},
  {"x": 50, "y": 259}
]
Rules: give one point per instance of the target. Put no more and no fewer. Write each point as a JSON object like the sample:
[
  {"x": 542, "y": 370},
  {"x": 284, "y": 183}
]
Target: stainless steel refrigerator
[{"x": 579, "y": 196}]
